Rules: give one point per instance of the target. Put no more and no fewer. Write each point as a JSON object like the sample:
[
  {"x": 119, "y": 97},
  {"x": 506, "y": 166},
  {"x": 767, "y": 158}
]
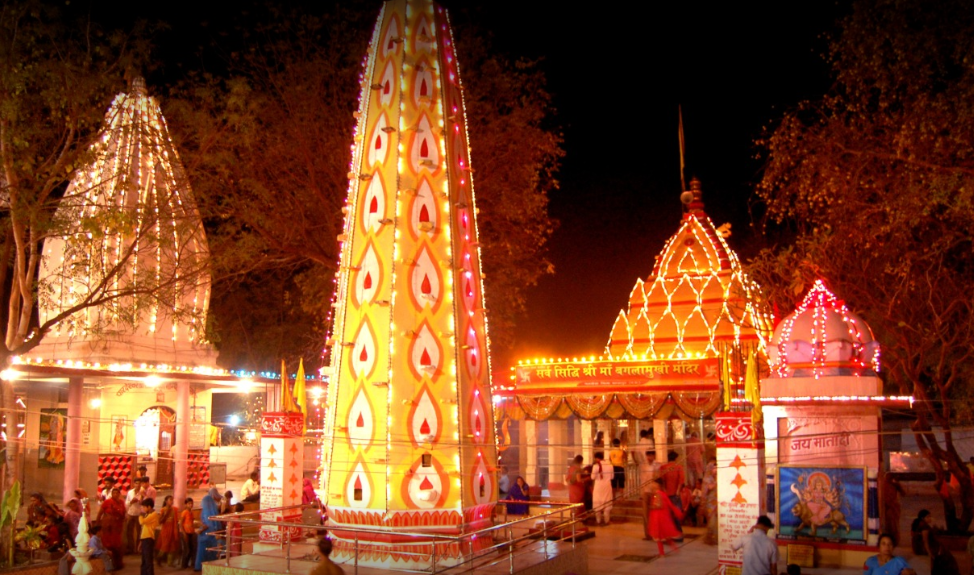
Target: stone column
[
  {"x": 72, "y": 446},
  {"x": 587, "y": 436},
  {"x": 659, "y": 437},
  {"x": 557, "y": 450},
  {"x": 531, "y": 451},
  {"x": 181, "y": 463},
  {"x": 281, "y": 472},
  {"x": 577, "y": 444}
]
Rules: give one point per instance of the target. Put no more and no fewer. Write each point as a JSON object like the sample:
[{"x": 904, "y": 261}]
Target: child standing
[
  {"x": 149, "y": 520},
  {"x": 187, "y": 528}
]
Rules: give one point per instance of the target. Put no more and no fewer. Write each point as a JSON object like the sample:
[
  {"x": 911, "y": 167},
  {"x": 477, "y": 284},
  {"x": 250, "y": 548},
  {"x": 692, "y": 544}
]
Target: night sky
[{"x": 618, "y": 75}]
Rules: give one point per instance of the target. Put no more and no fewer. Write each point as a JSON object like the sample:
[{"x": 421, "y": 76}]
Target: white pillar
[
  {"x": 557, "y": 450},
  {"x": 659, "y": 436},
  {"x": 181, "y": 463},
  {"x": 577, "y": 445},
  {"x": 586, "y": 442},
  {"x": 531, "y": 449},
  {"x": 72, "y": 447}
]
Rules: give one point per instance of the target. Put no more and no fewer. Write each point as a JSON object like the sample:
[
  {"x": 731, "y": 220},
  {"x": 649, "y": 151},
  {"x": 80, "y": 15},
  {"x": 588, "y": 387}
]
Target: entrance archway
[{"x": 155, "y": 437}]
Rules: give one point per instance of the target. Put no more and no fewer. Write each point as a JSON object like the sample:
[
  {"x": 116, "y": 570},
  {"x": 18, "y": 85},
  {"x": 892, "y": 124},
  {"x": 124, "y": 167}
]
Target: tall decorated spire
[
  {"x": 127, "y": 250},
  {"x": 409, "y": 440}
]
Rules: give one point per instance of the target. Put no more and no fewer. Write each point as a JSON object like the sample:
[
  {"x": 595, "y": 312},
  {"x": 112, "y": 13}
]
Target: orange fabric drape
[
  {"x": 589, "y": 406},
  {"x": 642, "y": 405}
]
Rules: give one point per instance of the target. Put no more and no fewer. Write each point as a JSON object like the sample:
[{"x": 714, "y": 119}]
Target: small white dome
[{"x": 822, "y": 337}]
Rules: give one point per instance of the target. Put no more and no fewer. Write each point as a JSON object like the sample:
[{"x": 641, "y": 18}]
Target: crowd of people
[
  {"x": 670, "y": 499},
  {"x": 126, "y": 523}
]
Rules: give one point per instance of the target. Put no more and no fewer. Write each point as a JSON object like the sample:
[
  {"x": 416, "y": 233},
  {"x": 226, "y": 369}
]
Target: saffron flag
[
  {"x": 287, "y": 401},
  {"x": 300, "y": 396},
  {"x": 752, "y": 390}
]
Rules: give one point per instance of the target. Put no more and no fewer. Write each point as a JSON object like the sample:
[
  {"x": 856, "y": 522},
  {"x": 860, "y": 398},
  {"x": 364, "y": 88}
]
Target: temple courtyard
[{"x": 615, "y": 550}]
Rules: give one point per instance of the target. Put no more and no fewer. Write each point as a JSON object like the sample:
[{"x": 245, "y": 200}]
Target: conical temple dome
[
  {"x": 129, "y": 238},
  {"x": 409, "y": 439},
  {"x": 697, "y": 298},
  {"x": 822, "y": 337}
]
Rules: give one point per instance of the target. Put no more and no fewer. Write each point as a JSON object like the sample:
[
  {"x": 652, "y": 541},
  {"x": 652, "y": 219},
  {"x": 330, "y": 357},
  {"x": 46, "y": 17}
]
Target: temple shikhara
[
  {"x": 409, "y": 439},
  {"x": 665, "y": 359},
  {"x": 125, "y": 378}
]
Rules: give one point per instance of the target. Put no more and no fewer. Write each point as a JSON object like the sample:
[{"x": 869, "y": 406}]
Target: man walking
[
  {"x": 602, "y": 473},
  {"x": 760, "y": 551}
]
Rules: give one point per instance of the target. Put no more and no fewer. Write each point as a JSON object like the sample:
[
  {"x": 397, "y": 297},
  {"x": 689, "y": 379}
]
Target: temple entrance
[{"x": 155, "y": 437}]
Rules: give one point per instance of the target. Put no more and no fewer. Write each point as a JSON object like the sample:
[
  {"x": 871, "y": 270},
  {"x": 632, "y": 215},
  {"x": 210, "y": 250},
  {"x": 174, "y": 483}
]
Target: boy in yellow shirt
[{"x": 149, "y": 520}]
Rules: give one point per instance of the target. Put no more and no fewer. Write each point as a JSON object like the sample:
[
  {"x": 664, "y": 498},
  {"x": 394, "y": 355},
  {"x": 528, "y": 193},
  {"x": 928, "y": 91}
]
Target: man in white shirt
[
  {"x": 250, "y": 492},
  {"x": 602, "y": 474},
  {"x": 760, "y": 551},
  {"x": 133, "y": 510},
  {"x": 645, "y": 444}
]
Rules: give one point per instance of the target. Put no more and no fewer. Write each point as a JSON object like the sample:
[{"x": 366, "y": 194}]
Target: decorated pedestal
[
  {"x": 281, "y": 468},
  {"x": 409, "y": 437},
  {"x": 740, "y": 481}
]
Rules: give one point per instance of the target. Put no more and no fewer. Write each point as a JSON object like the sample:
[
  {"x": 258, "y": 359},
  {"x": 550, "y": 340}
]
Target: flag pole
[{"x": 683, "y": 184}]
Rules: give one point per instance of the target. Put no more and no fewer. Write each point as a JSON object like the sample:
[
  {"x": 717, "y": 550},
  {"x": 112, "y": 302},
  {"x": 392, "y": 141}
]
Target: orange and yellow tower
[{"x": 409, "y": 439}]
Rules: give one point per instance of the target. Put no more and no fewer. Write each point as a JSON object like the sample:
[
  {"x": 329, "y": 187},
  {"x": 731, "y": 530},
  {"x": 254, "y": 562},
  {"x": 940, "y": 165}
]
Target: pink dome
[{"x": 822, "y": 337}]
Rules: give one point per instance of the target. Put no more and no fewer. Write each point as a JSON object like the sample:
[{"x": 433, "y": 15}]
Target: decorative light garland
[
  {"x": 133, "y": 153},
  {"x": 695, "y": 258},
  {"x": 823, "y": 305}
]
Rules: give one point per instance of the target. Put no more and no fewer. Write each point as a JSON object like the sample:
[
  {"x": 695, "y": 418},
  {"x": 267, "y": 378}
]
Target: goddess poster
[
  {"x": 51, "y": 440},
  {"x": 822, "y": 504}
]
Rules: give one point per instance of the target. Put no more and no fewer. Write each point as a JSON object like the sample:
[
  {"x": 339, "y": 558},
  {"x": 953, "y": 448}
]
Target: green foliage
[
  {"x": 874, "y": 183},
  {"x": 10, "y": 505}
]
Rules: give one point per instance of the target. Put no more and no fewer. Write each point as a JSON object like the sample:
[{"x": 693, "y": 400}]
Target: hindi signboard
[
  {"x": 618, "y": 376},
  {"x": 740, "y": 484}
]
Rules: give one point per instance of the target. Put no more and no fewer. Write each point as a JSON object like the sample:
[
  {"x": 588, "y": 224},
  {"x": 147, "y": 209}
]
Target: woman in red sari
[
  {"x": 112, "y": 520},
  {"x": 167, "y": 544},
  {"x": 661, "y": 513}
]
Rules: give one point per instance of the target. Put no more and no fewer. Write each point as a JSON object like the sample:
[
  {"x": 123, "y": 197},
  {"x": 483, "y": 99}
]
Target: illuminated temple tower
[
  {"x": 409, "y": 441},
  {"x": 697, "y": 299},
  {"x": 132, "y": 224}
]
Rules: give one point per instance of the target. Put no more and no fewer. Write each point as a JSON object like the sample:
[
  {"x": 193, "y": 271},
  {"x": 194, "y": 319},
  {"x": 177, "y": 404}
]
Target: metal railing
[{"x": 443, "y": 553}]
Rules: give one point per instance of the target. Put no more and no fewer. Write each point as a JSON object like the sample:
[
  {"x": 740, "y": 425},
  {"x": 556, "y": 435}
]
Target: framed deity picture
[
  {"x": 822, "y": 503},
  {"x": 121, "y": 430},
  {"x": 51, "y": 440}
]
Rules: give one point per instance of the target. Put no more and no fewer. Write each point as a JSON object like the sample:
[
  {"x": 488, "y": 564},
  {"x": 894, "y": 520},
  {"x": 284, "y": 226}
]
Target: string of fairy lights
[
  {"x": 695, "y": 269},
  {"x": 133, "y": 156},
  {"x": 826, "y": 310}
]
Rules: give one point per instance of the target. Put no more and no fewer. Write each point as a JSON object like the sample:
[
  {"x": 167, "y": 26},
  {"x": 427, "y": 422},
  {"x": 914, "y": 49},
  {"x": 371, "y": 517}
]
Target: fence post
[
  {"x": 287, "y": 568},
  {"x": 544, "y": 534},
  {"x": 573, "y": 527},
  {"x": 510, "y": 548}
]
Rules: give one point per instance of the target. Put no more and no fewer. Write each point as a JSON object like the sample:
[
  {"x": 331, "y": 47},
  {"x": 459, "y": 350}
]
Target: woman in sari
[
  {"x": 519, "y": 492},
  {"x": 111, "y": 517},
  {"x": 208, "y": 508},
  {"x": 167, "y": 544}
]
